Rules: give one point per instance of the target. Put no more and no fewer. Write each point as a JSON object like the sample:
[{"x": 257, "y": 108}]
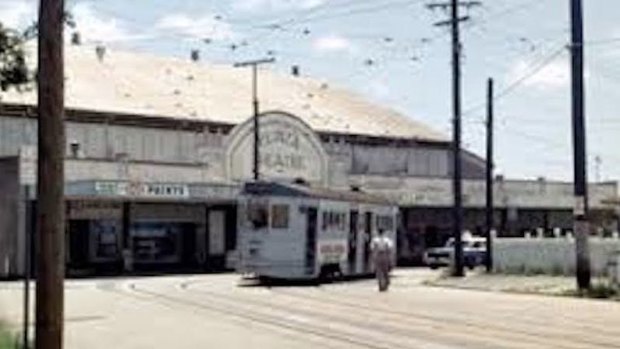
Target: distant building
[{"x": 157, "y": 148}]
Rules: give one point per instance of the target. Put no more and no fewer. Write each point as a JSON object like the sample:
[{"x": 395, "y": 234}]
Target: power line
[
  {"x": 600, "y": 42},
  {"x": 327, "y": 16},
  {"x": 522, "y": 79}
]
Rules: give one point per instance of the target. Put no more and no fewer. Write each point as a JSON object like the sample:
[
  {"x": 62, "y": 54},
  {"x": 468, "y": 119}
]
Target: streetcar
[{"x": 296, "y": 231}]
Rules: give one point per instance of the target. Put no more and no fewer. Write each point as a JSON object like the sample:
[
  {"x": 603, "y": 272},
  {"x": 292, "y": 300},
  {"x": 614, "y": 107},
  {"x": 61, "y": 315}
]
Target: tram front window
[
  {"x": 258, "y": 214},
  {"x": 279, "y": 216}
]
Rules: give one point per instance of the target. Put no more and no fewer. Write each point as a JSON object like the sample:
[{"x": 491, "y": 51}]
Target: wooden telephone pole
[
  {"x": 457, "y": 208},
  {"x": 50, "y": 178},
  {"x": 580, "y": 212},
  {"x": 489, "y": 181}
]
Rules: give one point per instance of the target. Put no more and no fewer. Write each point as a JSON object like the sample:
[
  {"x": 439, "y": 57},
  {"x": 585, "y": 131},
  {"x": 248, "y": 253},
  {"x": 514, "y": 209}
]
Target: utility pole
[
  {"x": 580, "y": 212},
  {"x": 30, "y": 219},
  {"x": 598, "y": 161},
  {"x": 457, "y": 209},
  {"x": 489, "y": 186},
  {"x": 50, "y": 178},
  {"x": 254, "y": 64}
]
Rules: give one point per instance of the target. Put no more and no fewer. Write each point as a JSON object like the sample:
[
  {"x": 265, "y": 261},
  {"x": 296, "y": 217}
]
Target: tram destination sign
[{"x": 137, "y": 189}]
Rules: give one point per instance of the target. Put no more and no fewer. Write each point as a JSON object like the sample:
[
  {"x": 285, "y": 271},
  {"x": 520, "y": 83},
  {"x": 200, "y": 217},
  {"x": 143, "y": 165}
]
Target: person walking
[{"x": 382, "y": 248}]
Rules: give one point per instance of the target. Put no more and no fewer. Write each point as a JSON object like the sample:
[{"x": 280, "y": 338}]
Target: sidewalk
[{"x": 535, "y": 284}]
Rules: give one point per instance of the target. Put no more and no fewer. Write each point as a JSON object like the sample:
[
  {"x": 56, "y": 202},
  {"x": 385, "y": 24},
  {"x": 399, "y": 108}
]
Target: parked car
[{"x": 474, "y": 253}]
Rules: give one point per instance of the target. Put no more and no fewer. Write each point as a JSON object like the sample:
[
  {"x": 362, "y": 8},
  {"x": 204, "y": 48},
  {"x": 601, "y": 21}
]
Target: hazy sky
[{"x": 390, "y": 51}]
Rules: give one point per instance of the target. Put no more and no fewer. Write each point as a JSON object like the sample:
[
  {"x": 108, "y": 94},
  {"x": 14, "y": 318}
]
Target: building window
[
  {"x": 279, "y": 216},
  {"x": 106, "y": 234},
  {"x": 157, "y": 241},
  {"x": 327, "y": 220}
]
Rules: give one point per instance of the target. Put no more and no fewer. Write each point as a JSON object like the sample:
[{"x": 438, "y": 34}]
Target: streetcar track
[
  {"x": 537, "y": 337},
  {"x": 390, "y": 330},
  {"x": 466, "y": 323},
  {"x": 300, "y": 324},
  {"x": 245, "y": 315},
  {"x": 440, "y": 324}
]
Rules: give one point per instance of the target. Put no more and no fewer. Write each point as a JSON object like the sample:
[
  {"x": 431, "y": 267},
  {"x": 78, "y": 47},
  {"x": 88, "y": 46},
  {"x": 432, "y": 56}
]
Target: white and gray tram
[{"x": 294, "y": 231}]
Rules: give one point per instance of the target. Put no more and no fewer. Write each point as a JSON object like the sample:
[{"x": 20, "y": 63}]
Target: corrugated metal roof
[{"x": 142, "y": 84}]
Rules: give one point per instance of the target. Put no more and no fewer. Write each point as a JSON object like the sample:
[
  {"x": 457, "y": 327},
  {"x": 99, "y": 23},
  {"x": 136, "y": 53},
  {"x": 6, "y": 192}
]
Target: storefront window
[
  {"x": 106, "y": 235},
  {"x": 156, "y": 241},
  {"x": 279, "y": 216}
]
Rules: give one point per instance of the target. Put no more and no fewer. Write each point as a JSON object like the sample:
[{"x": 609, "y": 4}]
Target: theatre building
[{"x": 157, "y": 149}]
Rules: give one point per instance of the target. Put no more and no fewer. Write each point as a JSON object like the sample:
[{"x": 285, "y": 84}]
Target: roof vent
[
  {"x": 195, "y": 55},
  {"x": 100, "y": 50},
  {"x": 356, "y": 188},
  {"x": 300, "y": 181},
  {"x": 295, "y": 70},
  {"x": 74, "y": 148},
  {"x": 76, "y": 39}
]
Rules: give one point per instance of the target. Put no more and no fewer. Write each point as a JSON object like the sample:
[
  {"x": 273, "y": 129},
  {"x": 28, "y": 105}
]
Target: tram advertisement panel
[{"x": 331, "y": 252}]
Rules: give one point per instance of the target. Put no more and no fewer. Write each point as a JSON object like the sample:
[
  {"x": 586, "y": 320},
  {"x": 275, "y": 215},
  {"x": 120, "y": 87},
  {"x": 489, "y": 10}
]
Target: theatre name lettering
[
  {"x": 281, "y": 151},
  {"x": 288, "y": 149}
]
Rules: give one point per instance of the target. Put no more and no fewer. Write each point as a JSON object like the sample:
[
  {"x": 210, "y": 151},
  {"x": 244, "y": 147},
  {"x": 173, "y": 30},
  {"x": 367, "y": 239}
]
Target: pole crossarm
[
  {"x": 447, "y": 5},
  {"x": 449, "y": 21},
  {"x": 254, "y": 62}
]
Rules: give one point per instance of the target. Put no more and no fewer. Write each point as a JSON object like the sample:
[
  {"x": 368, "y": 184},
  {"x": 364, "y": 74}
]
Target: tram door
[
  {"x": 311, "y": 227},
  {"x": 351, "y": 257},
  {"x": 367, "y": 238}
]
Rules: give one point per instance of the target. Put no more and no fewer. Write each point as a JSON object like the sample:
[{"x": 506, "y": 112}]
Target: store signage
[
  {"x": 136, "y": 189},
  {"x": 83, "y": 209}
]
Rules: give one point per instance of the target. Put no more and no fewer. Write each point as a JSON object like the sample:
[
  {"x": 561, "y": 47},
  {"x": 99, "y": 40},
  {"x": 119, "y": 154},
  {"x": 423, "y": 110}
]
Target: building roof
[
  {"x": 141, "y": 84},
  {"x": 263, "y": 188}
]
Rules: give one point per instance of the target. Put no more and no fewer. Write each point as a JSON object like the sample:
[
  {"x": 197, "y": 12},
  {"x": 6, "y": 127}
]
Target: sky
[{"x": 391, "y": 52}]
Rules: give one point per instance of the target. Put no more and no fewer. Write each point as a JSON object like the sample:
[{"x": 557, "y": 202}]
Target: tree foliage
[{"x": 13, "y": 68}]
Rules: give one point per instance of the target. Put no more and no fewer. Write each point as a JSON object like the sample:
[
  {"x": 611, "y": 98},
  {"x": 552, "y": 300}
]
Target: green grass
[
  {"x": 599, "y": 290},
  {"x": 6, "y": 339}
]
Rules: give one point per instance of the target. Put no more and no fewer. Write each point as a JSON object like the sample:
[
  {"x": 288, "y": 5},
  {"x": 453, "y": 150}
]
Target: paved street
[{"x": 215, "y": 311}]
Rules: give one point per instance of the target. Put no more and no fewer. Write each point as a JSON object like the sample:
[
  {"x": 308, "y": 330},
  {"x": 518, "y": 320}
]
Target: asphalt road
[{"x": 220, "y": 311}]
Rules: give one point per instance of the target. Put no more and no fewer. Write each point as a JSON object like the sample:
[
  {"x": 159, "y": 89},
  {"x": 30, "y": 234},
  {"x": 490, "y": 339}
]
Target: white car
[{"x": 474, "y": 253}]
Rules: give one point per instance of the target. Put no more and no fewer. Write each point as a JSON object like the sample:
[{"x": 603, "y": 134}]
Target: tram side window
[
  {"x": 258, "y": 215},
  {"x": 334, "y": 220},
  {"x": 324, "y": 223},
  {"x": 385, "y": 223},
  {"x": 279, "y": 216}
]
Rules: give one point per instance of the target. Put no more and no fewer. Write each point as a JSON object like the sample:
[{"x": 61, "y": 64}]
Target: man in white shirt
[{"x": 382, "y": 248}]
